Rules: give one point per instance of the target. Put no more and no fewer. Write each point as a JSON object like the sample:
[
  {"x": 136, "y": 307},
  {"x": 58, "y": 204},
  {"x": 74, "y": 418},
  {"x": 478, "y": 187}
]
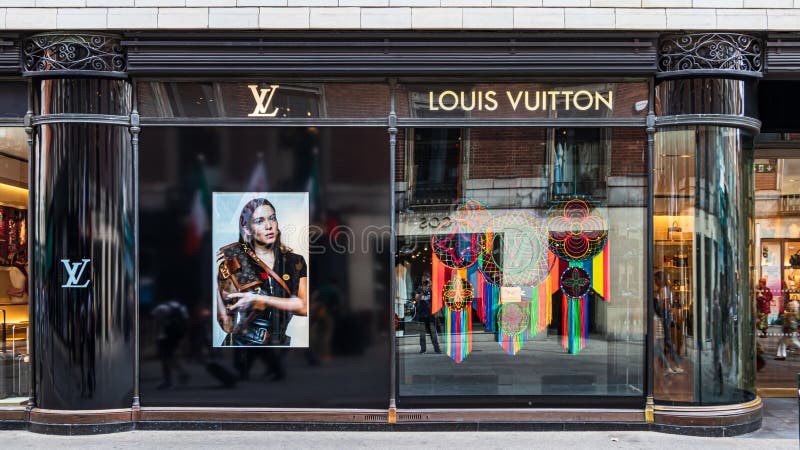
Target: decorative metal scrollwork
[
  {"x": 710, "y": 51},
  {"x": 49, "y": 52}
]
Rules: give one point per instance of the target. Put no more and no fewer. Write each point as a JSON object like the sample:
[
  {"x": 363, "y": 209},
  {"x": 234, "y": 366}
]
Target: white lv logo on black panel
[
  {"x": 74, "y": 273},
  {"x": 262, "y": 101}
]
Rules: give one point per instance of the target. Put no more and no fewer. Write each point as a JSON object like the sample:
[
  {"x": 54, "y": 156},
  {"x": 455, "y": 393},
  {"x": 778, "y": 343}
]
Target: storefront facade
[{"x": 542, "y": 231}]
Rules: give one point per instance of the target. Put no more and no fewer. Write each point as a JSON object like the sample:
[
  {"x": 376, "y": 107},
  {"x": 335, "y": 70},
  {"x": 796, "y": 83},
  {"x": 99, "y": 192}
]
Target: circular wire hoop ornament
[
  {"x": 513, "y": 318},
  {"x": 454, "y": 244},
  {"x": 492, "y": 272},
  {"x": 457, "y": 294},
  {"x": 515, "y": 250},
  {"x": 577, "y": 229},
  {"x": 575, "y": 282}
]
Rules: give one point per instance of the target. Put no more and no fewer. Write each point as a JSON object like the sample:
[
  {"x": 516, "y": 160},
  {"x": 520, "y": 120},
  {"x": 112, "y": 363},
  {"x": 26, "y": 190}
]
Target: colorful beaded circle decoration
[
  {"x": 575, "y": 282},
  {"x": 454, "y": 245},
  {"x": 513, "y": 318},
  {"x": 517, "y": 252},
  {"x": 491, "y": 258},
  {"x": 457, "y": 294},
  {"x": 577, "y": 231}
]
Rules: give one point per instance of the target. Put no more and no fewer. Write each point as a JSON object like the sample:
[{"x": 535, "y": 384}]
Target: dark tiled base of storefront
[
  {"x": 75, "y": 430},
  {"x": 780, "y": 421},
  {"x": 440, "y": 426},
  {"x": 454, "y": 426},
  {"x": 13, "y": 425},
  {"x": 417, "y": 427},
  {"x": 734, "y": 430}
]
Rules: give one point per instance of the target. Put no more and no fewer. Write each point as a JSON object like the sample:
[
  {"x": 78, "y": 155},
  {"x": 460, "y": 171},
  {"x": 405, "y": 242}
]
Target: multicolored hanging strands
[
  {"x": 487, "y": 271},
  {"x": 514, "y": 254},
  {"x": 600, "y": 278},
  {"x": 541, "y": 300},
  {"x": 513, "y": 321},
  {"x": 579, "y": 237},
  {"x": 457, "y": 297}
]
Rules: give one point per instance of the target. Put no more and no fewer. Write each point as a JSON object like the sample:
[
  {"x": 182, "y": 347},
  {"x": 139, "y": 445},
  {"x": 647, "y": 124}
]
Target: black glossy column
[
  {"x": 83, "y": 224},
  {"x": 704, "y": 360}
]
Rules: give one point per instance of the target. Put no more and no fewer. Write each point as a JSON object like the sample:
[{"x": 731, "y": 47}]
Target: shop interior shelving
[{"x": 679, "y": 276}]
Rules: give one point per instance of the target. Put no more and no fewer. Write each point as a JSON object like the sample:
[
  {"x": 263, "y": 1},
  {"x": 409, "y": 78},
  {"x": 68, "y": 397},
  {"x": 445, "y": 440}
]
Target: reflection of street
[
  {"x": 777, "y": 373},
  {"x": 542, "y": 367},
  {"x": 315, "y": 381}
]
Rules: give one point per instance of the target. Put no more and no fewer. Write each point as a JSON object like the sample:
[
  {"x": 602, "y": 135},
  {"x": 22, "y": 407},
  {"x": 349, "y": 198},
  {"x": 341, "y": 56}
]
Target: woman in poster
[{"x": 262, "y": 283}]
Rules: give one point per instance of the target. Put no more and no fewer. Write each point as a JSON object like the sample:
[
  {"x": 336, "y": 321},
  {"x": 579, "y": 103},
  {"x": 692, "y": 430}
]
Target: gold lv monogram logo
[{"x": 262, "y": 101}]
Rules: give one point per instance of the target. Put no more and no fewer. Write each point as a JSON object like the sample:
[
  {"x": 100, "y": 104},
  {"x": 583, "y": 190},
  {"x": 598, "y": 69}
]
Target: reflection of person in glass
[
  {"x": 763, "y": 302},
  {"x": 262, "y": 283},
  {"x": 789, "y": 320},
  {"x": 664, "y": 300},
  {"x": 424, "y": 307}
]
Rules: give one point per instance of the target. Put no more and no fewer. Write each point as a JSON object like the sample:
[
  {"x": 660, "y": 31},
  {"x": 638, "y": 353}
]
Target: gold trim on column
[
  {"x": 777, "y": 392},
  {"x": 755, "y": 403},
  {"x": 649, "y": 408},
  {"x": 717, "y": 415}
]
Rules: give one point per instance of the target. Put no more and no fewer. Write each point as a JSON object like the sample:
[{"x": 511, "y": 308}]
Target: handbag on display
[
  {"x": 242, "y": 271},
  {"x": 237, "y": 274},
  {"x": 236, "y": 270},
  {"x": 680, "y": 260},
  {"x": 794, "y": 260}
]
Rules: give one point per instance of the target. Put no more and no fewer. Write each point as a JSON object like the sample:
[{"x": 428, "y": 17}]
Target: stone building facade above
[{"x": 771, "y": 15}]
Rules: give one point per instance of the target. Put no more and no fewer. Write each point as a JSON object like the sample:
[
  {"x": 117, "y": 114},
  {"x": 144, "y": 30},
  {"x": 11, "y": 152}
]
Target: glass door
[{"x": 777, "y": 295}]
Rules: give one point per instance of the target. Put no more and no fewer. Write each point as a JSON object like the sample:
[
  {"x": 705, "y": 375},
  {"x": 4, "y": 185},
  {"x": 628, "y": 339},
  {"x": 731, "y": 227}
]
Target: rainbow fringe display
[
  {"x": 541, "y": 310},
  {"x": 511, "y": 344},
  {"x": 486, "y": 303},
  {"x": 458, "y": 333},
  {"x": 575, "y": 312},
  {"x": 458, "y": 324},
  {"x": 440, "y": 274},
  {"x": 599, "y": 272},
  {"x": 575, "y": 324}
]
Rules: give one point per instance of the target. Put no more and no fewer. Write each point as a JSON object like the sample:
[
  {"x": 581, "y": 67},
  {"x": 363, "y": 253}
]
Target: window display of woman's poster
[{"x": 260, "y": 244}]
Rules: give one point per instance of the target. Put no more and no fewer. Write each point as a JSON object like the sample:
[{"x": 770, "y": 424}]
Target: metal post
[
  {"x": 392, "y": 129},
  {"x": 135, "y": 130},
  {"x": 649, "y": 411},
  {"x": 32, "y": 161}
]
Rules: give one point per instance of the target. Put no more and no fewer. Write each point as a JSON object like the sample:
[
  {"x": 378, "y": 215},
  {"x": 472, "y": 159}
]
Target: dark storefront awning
[{"x": 392, "y": 53}]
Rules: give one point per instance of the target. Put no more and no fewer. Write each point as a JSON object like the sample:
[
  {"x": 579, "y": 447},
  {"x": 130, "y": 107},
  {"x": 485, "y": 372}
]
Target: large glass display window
[
  {"x": 528, "y": 285},
  {"x": 326, "y": 197},
  {"x": 15, "y": 332},
  {"x": 264, "y": 244}
]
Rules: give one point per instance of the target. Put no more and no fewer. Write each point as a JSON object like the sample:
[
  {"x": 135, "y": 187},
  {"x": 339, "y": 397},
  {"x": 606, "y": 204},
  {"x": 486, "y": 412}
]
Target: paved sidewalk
[
  {"x": 779, "y": 432},
  {"x": 378, "y": 440}
]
